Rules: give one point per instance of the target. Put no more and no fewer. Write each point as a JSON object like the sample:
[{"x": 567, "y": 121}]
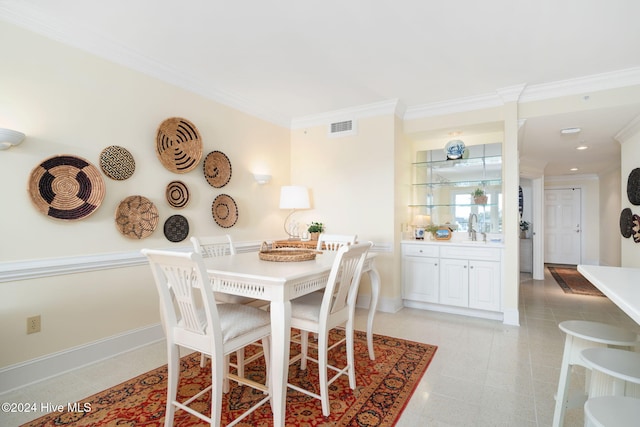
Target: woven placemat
[
  {"x": 176, "y": 228},
  {"x": 217, "y": 169},
  {"x": 225, "y": 211},
  {"x": 177, "y": 194},
  {"x": 633, "y": 187},
  {"x": 66, "y": 187},
  {"x": 136, "y": 217},
  {"x": 626, "y": 223},
  {"x": 178, "y": 145},
  {"x": 117, "y": 162}
]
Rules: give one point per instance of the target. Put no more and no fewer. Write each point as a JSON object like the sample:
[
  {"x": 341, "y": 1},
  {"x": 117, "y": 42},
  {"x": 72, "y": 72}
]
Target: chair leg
[
  {"x": 304, "y": 344},
  {"x": 323, "y": 345},
  {"x": 351, "y": 367},
  {"x": 225, "y": 374},
  {"x": 219, "y": 372},
  {"x": 173, "y": 367},
  {"x": 240, "y": 362}
]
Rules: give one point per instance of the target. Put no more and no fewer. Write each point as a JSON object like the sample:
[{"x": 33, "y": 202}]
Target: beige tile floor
[{"x": 483, "y": 374}]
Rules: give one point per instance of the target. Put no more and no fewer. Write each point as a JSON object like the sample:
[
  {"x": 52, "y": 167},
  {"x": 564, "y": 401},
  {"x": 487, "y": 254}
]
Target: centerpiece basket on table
[{"x": 286, "y": 254}]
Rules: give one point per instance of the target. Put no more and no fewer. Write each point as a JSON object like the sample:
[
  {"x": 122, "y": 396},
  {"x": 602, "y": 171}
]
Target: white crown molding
[
  {"x": 353, "y": 113},
  {"x": 630, "y": 130},
  {"x": 459, "y": 105},
  {"x": 585, "y": 84}
]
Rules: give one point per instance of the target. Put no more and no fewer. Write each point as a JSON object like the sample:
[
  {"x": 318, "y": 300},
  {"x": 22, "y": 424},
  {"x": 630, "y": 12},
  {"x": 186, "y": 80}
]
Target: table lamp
[
  {"x": 419, "y": 223},
  {"x": 293, "y": 197}
]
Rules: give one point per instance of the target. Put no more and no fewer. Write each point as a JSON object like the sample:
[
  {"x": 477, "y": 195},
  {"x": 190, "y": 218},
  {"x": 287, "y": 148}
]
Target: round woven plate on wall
[
  {"x": 224, "y": 211},
  {"x": 66, "y": 187},
  {"x": 178, "y": 145},
  {"x": 217, "y": 169},
  {"x": 177, "y": 194},
  {"x": 117, "y": 162},
  {"x": 136, "y": 217},
  {"x": 633, "y": 187},
  {"x": 626, "y": 223},
  {"x": 176, "y": 228}
]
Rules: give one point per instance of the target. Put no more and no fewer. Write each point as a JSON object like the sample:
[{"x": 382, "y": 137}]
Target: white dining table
[{"x": 245, "y": 274}]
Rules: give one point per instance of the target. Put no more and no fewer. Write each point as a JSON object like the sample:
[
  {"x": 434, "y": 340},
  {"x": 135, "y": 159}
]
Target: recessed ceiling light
[
  {"x": 573, "y": 169},
  {"x": 581, "y": 147},
  {"x": 569, "y": 131}
]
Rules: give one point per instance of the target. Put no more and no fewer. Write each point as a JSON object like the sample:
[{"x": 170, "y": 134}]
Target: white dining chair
[
  {"x": 333, "y": 242},
  {"x": 216, "y": 246},
  {"x": 194, "y": 320},
  {"x": 318, "y": 313}
]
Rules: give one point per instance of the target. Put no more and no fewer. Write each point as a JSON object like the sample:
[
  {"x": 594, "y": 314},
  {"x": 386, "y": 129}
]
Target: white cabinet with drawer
[
  {"x": 420, "y": 276},
  {"x": 455, "y": 278}
]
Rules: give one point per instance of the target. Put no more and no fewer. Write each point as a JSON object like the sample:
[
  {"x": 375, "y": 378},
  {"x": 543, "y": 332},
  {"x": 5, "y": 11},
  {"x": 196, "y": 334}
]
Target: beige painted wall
[
  {"x": 351, "y": 182},
  {"x": 69, "y": 102}
]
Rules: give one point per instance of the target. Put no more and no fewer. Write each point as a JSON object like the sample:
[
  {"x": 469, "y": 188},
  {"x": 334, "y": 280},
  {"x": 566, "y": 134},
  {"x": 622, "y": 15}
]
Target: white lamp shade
[
  {"x": 421, "y": 220},
  {"x": 294, "y": 197}
]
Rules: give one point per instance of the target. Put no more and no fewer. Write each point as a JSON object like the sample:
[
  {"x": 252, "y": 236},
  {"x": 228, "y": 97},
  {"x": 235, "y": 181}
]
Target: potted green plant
[
  {"x": 432, "y": 228},
  {"x": 479, "y": 198},
  {"x": 315, "y": 228},
  {"x": 524, "y": 226}
]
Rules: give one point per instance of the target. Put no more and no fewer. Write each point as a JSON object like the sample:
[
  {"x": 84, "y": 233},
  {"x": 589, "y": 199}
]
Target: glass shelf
[{"x": 477, "y": 183}]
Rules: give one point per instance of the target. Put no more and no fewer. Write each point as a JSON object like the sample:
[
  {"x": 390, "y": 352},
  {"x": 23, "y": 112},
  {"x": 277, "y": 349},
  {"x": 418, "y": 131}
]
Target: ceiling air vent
[{"x": 342, "y": 128}]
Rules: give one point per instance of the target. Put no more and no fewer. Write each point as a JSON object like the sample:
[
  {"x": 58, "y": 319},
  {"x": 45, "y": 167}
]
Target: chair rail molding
[{"x": 12, "y": 271}]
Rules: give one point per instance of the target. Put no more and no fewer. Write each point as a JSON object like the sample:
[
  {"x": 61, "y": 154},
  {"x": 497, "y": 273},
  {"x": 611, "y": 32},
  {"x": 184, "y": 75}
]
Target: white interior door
[{"x": 562, "y": 234}]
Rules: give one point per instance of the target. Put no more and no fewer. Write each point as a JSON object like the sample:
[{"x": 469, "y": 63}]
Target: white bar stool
[
  {"x": 614, "y": 372},
  {"x": 612, "y": 411},
  {"x": 580, "y": 335}
]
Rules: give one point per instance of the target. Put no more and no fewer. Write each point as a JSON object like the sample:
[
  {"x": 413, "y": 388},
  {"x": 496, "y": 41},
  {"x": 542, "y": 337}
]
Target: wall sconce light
[
  {"x": 262, "y": 178},
  {"x": 293, "y": 197},
  {"x": 9, "y": 138}
]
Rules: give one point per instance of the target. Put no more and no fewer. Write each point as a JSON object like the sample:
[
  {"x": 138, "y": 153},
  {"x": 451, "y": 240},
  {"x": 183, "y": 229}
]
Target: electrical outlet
[{"x": 33, "y": 324}]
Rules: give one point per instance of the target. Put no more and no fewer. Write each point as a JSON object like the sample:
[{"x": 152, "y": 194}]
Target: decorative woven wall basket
[
  {"x": 633, "y": 187},
  {"x": 217, "y": 169},
  {"x": 224, "y": 211},
  {"x": 117, "y": 163},
  {"x": 626, "y": 223},
  {"x": 136, "y": 217},
  {"x": 176, "y": 228},
  {"x": 177, "y": 194},
  {"x": 178, "y": 145},
  {"x": 66, "y": 187}
]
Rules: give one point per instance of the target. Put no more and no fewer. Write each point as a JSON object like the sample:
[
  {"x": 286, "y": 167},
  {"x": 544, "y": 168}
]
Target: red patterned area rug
[
  {"x": 571, "y": 281},
  {"x": 384, "y": 387}
]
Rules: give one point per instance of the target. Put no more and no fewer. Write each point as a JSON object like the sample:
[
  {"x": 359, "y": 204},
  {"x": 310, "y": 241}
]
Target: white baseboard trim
[
  {"x": 32, "y": 371},
  {"x": 386, "y": 305},
  {"x": 511, "y": 317}
]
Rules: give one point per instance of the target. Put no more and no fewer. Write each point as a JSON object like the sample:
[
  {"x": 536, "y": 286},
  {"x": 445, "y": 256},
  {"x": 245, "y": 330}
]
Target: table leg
[
  {"x": 374, "y": 278},
  {"x": 280, "y": 340}
]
